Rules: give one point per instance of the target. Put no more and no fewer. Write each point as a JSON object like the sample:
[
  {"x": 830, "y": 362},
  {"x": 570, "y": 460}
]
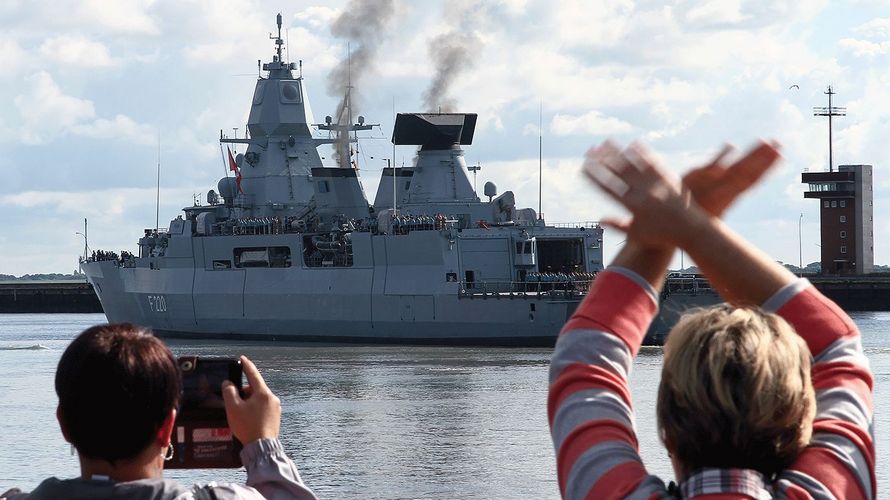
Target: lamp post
[
  {"x": 86, "y": 245},
  {"x": 800, "y": 244}
]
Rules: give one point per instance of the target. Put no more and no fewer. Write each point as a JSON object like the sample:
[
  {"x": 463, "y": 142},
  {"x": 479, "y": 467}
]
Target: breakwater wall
[
  {"x": 48, "y": 297},
  {"x": 855, "y": 293}
]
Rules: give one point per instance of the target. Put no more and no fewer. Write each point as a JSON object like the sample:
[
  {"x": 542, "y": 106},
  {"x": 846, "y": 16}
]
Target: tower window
[
  {"x": 843, "y": 218},
  {"x": 843, "y": 203},
  {"x": 843, "y": 234},
  {"x": 826, "y": 203},
  {"x": 833, "y": 203},
  {"x": 843, "y": 249}
]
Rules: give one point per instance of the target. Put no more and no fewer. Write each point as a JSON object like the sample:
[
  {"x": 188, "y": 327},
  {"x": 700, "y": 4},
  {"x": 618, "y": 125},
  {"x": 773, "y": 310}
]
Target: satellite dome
[
  {"x": 226, "y": 187},
  {"x": 490, "y": 189}
]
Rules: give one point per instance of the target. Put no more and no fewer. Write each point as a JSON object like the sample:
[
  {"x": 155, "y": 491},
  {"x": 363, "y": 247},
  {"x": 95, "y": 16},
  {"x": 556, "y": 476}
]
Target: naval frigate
[{"x": 287, "y": 248}]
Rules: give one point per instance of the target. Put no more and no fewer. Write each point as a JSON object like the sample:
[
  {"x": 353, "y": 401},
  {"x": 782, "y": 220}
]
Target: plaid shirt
[{"x": 722, "y": 481}]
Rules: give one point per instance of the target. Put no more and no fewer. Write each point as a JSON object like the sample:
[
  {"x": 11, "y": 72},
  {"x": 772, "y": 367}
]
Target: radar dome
[
  {"x": 226, "y": 187},
  {"x": 490, "y": 189}
]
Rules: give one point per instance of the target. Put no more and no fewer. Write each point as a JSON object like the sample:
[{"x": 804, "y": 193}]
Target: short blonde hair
[{"x": 735, "y": 391}]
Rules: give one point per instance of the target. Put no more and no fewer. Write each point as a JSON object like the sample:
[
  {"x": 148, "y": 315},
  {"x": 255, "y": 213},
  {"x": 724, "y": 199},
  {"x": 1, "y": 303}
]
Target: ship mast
[{"x": 343, "y": 125}]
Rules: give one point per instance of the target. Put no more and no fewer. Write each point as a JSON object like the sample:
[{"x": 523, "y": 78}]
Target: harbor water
[{"x": 371, "y": 421}]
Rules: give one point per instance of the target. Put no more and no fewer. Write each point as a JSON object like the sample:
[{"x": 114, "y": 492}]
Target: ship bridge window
[{"x": 262, "y": 257}]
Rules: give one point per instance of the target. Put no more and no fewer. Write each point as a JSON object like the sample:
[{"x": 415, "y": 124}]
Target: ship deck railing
[
  {"x": 687, "y": 284},
  {"x": 588, "y": 224},
  {"x": 507, "y": 289}
]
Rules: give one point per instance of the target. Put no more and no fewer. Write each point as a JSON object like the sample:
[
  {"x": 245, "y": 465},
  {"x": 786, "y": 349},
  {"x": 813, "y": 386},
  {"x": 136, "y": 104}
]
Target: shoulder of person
[{"x": 222, "y": 491}]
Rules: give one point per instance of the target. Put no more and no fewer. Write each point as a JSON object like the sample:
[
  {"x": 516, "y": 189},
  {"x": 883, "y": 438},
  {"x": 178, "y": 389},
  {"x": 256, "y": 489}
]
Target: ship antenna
[
  {"x": 278, "y": 41},
  {"x": 829, "y": 112},
  {"x": 287, "y": 43},
  {"x": 158, "y": 196},
  {"x": 540, "y": 157}
]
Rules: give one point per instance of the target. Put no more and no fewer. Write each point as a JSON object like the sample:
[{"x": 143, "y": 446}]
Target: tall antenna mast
[
  {"x": 540, "y": 157},
  {"x": 158, "y": 196},
  {"x": 829, "y": 112},
  {"x": 278, "y": 41}
]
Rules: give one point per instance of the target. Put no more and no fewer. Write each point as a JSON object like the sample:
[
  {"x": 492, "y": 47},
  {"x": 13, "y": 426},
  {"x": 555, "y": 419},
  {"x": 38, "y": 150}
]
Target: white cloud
[
  {"x": 12, "y": 57},
  {"x": 864, "y": 48},
  {"x": 119, "y": 127},
  {"x": 585, "y": 24},
  {"x": 46, "y": 111},
  {"x": 76, "y": 50},
  {"x": 317, "y": 16},
  {"x": 716, "y": 12},
  {"x": 590, "y": 123},
  {"x": 123, "y": 16},
  {"x": 876, "y": 28}
]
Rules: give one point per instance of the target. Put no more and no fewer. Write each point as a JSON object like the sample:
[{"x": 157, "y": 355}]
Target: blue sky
[{"x": 89, "y": 86}]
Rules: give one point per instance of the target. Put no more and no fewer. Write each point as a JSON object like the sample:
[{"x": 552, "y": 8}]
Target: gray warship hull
[
  {"x": 376, "y": 302},
  {"x": 291, "y": 249}
]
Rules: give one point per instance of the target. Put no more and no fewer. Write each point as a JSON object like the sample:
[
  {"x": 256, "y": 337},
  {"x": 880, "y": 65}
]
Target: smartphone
[{"x": 202, "y": 438}]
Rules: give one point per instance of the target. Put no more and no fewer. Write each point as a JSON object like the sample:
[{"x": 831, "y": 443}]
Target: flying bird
[{"x": 795, "y": 86}]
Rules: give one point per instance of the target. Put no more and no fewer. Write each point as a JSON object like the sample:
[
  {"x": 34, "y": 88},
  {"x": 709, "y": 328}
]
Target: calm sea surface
[{"x": 371, "y": 422}]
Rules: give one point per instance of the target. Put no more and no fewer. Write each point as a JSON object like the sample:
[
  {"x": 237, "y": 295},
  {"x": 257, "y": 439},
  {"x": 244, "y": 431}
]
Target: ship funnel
[
  {"x": 434, "y": 130},
  {"x": 439, "y": 174}
]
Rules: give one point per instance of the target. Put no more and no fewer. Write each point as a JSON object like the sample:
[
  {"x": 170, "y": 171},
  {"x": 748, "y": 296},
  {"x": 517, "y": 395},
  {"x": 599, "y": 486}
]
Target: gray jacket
[{"x": 270, "y": 474}]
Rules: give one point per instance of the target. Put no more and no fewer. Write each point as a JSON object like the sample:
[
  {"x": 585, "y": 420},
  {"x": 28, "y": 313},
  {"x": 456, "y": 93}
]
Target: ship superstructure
[{"x": 291, "y": 249}]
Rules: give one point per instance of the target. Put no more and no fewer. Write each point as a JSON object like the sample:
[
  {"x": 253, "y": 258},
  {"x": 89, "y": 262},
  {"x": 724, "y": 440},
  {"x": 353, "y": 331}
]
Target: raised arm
[
  {"x": 840, "y": 459},
  {"x": 589, "y": 404}
]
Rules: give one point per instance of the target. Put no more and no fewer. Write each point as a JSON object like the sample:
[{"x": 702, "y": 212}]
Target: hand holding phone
[
  {"x": 257, "y": 414},
  {"x": 202, "y": 436}
]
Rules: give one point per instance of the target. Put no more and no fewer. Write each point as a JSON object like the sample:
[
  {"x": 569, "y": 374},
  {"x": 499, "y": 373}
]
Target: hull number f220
[{"x": 157, "y": 303}]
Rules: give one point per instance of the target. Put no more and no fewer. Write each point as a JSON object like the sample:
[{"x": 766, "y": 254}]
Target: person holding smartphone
[{"x": 119, "y": 387}]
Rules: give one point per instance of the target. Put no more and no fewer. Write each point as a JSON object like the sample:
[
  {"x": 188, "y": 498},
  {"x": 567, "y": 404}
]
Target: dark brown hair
[{"x": 116, "y": 384}]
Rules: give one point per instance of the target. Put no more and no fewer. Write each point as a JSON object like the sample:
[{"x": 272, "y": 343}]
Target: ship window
[
  {"x": 262, "y": 257},
  {"x": 843, "y": 218},
  {"x": 407, "y": 185},
  {"x": 843, "y": 234},
  {"x": 833, "y": 203},
  {"x": 826, "y": 204},
  {"x": 518, "y": 247},
  {"x": 323, "y": 187},
  {"x": 843, "y": 203},
  {"x": 843, "y": 249}
]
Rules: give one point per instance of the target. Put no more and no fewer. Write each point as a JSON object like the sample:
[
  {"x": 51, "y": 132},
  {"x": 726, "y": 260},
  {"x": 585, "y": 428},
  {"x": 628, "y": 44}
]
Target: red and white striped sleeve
[
  {"x": 589, "y": 403},
  {"x": 840, "y": 460}
]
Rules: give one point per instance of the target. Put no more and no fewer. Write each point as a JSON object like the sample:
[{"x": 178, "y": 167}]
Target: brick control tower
[{"x": 846, "y": 200}]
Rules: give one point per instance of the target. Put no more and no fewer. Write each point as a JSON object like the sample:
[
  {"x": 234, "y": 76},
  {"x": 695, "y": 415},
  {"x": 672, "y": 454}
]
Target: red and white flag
[{"x": 234, "y": 168}]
